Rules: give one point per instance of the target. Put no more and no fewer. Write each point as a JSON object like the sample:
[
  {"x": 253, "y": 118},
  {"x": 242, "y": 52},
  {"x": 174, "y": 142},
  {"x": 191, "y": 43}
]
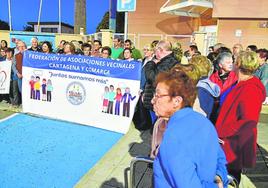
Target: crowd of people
[
  {"x": 124, "y": 51},
  {"x": 203, "y": 110},
  {"x": 227, "y": 89}
]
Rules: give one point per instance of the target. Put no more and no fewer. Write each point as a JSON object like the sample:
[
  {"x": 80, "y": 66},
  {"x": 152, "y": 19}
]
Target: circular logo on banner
[{"x": 76, "y": 93}]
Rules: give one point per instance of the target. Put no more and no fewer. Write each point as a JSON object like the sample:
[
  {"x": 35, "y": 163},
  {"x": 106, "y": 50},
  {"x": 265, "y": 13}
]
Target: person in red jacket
[
  {"x": 225, "y": 77},
  {"x": 237, "y": 121}
]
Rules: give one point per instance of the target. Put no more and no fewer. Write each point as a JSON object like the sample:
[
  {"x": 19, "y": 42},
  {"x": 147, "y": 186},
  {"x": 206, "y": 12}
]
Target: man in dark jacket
[{"x": 165, "y": 60}]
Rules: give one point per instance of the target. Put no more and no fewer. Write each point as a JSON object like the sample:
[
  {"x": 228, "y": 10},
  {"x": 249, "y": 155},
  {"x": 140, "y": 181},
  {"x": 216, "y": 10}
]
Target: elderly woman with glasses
[
  {"x": 106, "y": 52},
  {"x": 189, "y": 154}
]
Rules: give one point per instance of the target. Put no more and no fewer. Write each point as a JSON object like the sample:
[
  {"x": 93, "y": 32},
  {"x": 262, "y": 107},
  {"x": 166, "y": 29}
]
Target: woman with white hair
[
  {"x": 225, "y": 77},
  {"x": 34, "y": 45}
]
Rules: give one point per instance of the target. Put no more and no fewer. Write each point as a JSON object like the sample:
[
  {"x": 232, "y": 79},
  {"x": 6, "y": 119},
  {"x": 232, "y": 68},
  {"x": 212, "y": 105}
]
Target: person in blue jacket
[
  {"x": 208, "y": 92},
  {"x": 190, "y": 154}
]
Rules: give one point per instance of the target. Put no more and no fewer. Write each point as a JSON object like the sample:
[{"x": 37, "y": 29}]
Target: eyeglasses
[{"x": 157, "y": 96}]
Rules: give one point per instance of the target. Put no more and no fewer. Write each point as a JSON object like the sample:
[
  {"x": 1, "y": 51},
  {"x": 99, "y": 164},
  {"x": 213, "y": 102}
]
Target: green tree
[
  {"x": 177, "y": 50},
  {"x": 4, "y": 25},
  {"x": 28, "y": 28},
  {"x": 120, "y": 19},
  {"x": 104, "y": 24}
]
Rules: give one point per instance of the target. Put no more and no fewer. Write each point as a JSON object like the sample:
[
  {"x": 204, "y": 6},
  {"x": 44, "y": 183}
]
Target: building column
[
  {"x": 106, "y": 37},
  {"x": 200, "y": 40},
  {"x": 80, "y": 16}
]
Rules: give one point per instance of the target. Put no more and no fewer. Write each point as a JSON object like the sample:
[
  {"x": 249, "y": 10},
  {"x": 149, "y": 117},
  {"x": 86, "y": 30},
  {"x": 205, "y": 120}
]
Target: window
[{"x": 49, "y": 30}]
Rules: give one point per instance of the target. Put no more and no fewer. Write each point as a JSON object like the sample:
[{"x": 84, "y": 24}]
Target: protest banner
[
  {"x": 92, "y": 91},
  {"x": 5, "y": 72}
]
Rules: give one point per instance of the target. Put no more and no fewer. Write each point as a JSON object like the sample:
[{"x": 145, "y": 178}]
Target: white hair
[
  {"x": 221, "y": 57},
  {"x": 34, "y": 38}
]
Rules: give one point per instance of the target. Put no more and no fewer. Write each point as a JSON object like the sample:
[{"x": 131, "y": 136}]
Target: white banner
[
  {"x": 91, "y": 91},
  {"x": 5, "y": 72}
]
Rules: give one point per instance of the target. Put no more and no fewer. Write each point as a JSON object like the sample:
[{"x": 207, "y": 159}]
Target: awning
[{"x": 191, "y": 8}]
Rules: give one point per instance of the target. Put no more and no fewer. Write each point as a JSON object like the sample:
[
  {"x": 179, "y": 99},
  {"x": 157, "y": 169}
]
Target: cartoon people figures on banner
[
  {"x": 127, "y": 98},
  {"x": 49, "y": 90},
  {"x": 32, "y": 91},
  {"x": 110, "y": 96},
  {"x": 105, "y": 99},
  {"x": 35, "y": 87},
  {"x": 44, "y": 89},
  {"x": 117, "y": 101},
  {"x": 111, "y": 100}
]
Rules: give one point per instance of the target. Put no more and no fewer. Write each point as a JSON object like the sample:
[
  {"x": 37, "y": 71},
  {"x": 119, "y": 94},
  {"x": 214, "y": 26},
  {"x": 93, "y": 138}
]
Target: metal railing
[{"x": 140, "y": 40}]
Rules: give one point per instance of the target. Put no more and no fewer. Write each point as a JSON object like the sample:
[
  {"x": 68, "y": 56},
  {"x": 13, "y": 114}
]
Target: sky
[{"x": 24, "y": 11}]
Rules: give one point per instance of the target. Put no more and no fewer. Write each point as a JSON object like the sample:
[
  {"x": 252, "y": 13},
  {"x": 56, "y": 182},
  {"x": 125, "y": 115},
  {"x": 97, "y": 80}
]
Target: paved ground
[
  {"x": 259, "y": 174},
  {"x": 113, "y": 169}
]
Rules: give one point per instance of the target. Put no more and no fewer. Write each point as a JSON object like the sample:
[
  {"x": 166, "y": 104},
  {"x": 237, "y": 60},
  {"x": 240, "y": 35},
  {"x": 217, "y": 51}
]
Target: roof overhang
[{"x": 191, "y": 8}]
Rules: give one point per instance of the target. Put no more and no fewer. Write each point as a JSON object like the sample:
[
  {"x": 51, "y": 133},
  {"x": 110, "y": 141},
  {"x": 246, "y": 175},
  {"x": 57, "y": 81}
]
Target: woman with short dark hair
[
  {"x": 47, "y": 47},
  {"x": 189, "y": 154},
  {"x": 106, "y": 52},
  {"x": 252, "y": 48},
  {"x": 127, "y": 52}
]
